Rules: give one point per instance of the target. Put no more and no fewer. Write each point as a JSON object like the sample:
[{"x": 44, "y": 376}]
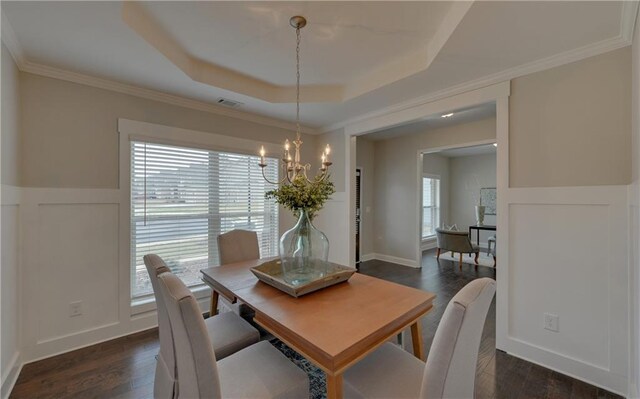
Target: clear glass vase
[{"x": 304, "y": 251}]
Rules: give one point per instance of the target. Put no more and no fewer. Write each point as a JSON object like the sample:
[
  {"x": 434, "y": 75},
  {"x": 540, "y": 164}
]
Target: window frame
[
  {"x": 422, "y": 207},
  {"x": 131, "y": 130}
]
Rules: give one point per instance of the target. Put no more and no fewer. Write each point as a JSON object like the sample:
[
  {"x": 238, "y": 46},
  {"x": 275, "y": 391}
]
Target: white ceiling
[
  {"x": 469, "y": 151},
  {"x": 436, "y": 121},
  {"x": 357, "y": 57}
]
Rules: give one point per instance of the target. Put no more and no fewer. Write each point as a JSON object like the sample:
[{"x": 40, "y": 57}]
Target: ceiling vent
[{"x": 229, "y": 103}]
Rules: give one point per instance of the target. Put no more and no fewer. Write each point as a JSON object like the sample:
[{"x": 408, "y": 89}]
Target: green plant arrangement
[{"x": 303, "y": 195}]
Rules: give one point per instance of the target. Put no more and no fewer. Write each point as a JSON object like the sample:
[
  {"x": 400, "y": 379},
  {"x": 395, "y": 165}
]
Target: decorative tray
[{"x": 271, "y": 273}]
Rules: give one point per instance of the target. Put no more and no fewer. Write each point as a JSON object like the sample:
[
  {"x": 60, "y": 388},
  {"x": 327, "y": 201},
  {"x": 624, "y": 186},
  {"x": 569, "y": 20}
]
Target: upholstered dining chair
[
  {"x": 228, "y": 333},
  {"x": 450, "y": 370},
  {"x": 236, "y": 246},
  {"x": 456, "y": 241},
  {"x": 258, "y": 371}
]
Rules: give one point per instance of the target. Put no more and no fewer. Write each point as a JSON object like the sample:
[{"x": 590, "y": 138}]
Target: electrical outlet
[
  {"x": 551, "y": 322},
  {"x": 75, "y": 309}
]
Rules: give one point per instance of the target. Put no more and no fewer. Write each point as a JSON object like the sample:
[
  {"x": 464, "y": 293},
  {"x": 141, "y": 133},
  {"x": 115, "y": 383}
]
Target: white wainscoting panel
[
  {"x": 568, "y": 256},
  {"x": 10, "y": 362},
  {"x": 78, "y": 254}
]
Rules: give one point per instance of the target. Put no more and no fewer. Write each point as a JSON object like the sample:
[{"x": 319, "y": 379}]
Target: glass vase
[{"x": 304, "y": 251}]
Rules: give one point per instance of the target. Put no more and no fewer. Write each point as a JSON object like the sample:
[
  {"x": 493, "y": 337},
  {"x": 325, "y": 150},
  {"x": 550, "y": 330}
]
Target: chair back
[
  {"x": 450, "y": 371},
  {"x": 456, "y": 241},
  {"x": 195, "y": 359},
  {"x": 237, "y": 246},
  {"x": 164, "y": 384}
]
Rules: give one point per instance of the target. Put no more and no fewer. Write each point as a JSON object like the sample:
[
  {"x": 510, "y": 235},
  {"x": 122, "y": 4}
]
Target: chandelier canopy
[{"x": 294, "y": 168}]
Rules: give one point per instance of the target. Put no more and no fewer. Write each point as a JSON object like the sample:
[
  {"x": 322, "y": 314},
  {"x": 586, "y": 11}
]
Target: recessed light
[
  {"x": 447, "y": 115},
  {"x": 495, "y": 144}
]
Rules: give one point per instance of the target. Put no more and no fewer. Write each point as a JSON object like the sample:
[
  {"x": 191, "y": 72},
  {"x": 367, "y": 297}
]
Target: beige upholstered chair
[
  {"x": 450, "y": 371},
  {"x": 228, "y": 333},
  {"x": 456, "y": 241},
  {"x": 259, "y": 371},
  {"x": 236, "y": 246}
]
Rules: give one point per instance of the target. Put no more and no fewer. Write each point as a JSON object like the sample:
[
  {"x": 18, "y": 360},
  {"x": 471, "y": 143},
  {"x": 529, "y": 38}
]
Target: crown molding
[
  {"x": 149, "y": 94},
  {"x": 11, "y": 41},
  {"x": 567, "y": 57},
  {"x": 628, "y": 19}
]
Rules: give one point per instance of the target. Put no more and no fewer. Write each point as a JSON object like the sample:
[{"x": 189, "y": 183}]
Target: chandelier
[{"x": 293, "y": 168}]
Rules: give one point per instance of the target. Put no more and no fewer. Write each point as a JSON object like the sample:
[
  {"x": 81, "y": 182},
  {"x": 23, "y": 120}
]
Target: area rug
[
  {"x": 483, "y": 259},
  {"x": 317, "y": 379}
]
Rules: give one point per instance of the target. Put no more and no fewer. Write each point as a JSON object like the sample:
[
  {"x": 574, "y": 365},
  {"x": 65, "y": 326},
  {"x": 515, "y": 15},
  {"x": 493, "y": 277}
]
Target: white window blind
[
  {"x": 183, "y": 198},
  {"x": 430, "y": 206}
]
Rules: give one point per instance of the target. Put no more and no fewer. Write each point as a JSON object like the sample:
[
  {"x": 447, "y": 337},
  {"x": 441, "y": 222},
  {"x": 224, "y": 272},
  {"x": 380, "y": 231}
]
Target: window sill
[{"x": 148, "y": 303}]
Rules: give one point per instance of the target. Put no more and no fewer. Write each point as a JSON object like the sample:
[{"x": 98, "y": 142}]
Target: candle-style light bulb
[
  {"x": 262, "y": 156},
  {"x": 286, "y": 145},
  {"x": 327, "y": 150}
]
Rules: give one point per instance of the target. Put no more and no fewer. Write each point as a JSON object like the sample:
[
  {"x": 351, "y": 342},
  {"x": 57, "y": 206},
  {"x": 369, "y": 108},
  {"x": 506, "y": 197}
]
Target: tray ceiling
[{"x": 357, "y": 57}]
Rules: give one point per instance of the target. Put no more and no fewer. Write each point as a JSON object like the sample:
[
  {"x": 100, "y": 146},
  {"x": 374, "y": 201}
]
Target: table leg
[
  {"x": 334, "y": 386},
  {"x": 478, "y": 237},
  {"x": 213, "y": 308},
  {"x": 416, "y": 338}
]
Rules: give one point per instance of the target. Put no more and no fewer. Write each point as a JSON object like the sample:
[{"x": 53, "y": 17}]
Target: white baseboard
[
  {"x": 428, "y": 244},
  {"x": 367, "y": 257},
  {"x": 568, "y": 366},
  {"x": 633, "y": 392},
  {"x": 9, "y": 380},
  {"x": 397, "y": 260}
]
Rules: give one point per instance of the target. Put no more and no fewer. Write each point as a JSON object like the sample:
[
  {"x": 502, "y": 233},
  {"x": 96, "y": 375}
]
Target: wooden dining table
[{"x": 333, "y": 328}]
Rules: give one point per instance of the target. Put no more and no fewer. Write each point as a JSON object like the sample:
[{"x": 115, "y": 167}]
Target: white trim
[
  {"x": 396, "y": 260},
  {"x": 10, "y": 378},
  {"x": 567, "y": 57},
  {"x": 10, "y": 40},
  {"x": 367, "y": 257},
  {"x": 623, "y": 39},
  {"x": 428, "y": 243},
  {"x": 628, "y": 20},
  {"x": 379, "y": 121}
]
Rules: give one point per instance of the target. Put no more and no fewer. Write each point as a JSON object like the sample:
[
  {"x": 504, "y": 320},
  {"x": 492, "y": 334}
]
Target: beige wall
[
  {"x": 10, "y": 120},
  {"x": 365, "y": 160},
  {"x": 468, "y": 175},
  {"x": 634, "y": 216},
  {"x": 70, "y": 136},
  {"x": 571, "y": 125},
  {"x": 336, "y": 140},
  {"x": 396, "y": 179}
]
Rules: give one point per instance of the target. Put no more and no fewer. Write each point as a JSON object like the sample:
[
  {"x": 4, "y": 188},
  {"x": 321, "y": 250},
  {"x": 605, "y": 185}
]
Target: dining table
[{"x": 334, "y": 327}]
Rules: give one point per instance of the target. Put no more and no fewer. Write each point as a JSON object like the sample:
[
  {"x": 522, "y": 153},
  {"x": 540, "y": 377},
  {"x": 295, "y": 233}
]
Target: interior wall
[
  {"x": 396, "y": 184},
  {"x": 634, "y": 222},
  {"x": 365, "y": 160},
  {"x": 436, "y": 164},
  {"x": 334, "y": 219},
  {"x": 564, "y": 119},
  {"x": 468, "y": 175},
  {"x": 9, "y": 217},
  {"x": 70, "y": 158},
  {"x": 565, "y": 219},
  {"x": 70, "y": 136}
]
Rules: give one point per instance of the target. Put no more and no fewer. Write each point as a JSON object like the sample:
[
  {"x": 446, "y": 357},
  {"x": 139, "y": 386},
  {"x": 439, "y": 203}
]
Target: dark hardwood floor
[{"x": 124, "y": 367}]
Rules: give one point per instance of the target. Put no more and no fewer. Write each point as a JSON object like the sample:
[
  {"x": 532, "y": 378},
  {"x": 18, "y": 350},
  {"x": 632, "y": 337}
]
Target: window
[
  {"x": 183, "y": 198},
  {"x": 430, "y": 205}
]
